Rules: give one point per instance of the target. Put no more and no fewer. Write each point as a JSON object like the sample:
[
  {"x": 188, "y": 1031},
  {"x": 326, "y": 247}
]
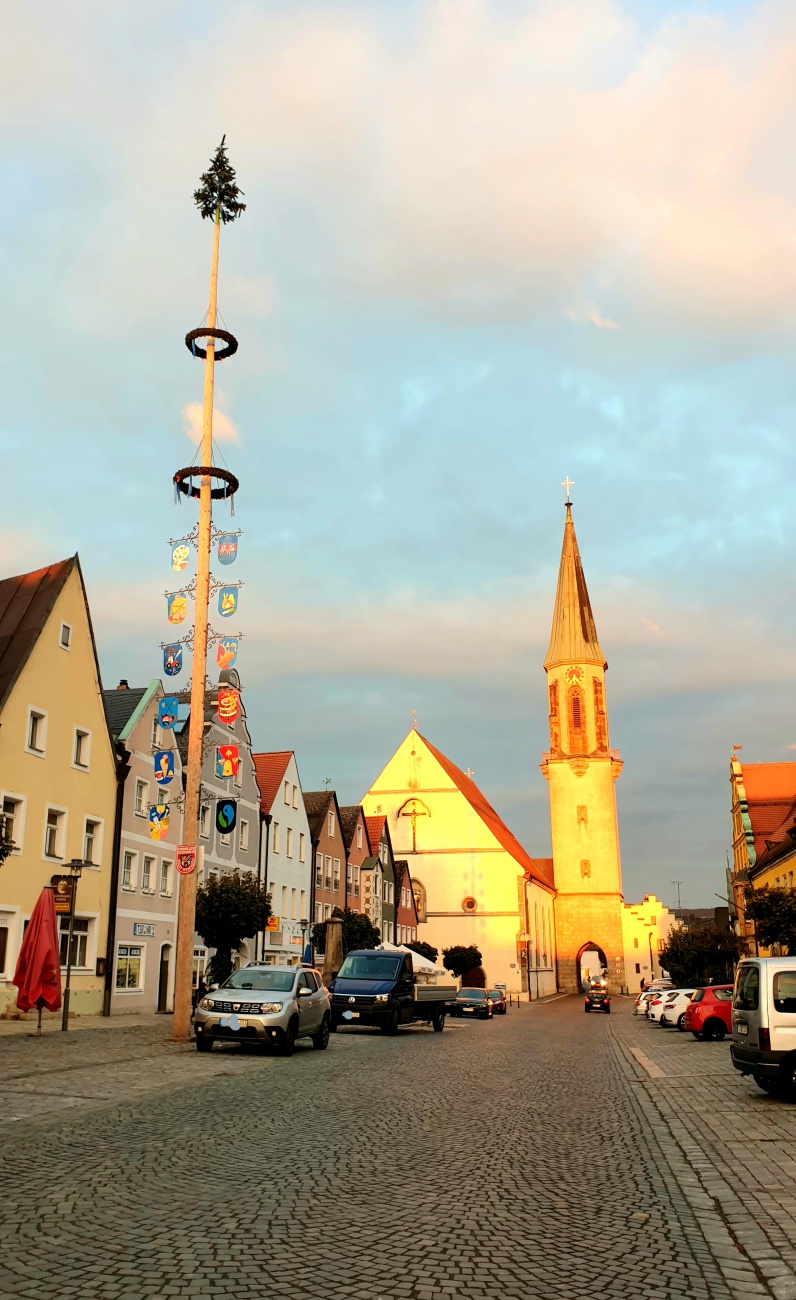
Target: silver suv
[{"x": 270, "y": 1005}]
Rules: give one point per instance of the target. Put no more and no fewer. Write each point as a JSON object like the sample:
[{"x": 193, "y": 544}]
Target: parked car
[
  {"x": 269, "y": 1005},
  {"x": 472, "y": 1003},
  {"x": 597, "y": 1000},
  {"x": 709, "y": 1012},
  {"x": 655, "y": 1004},
  {"x": 764, "y": 1023},
  {"x": 498, "y": 999},
  {"x": 376, "y": 986},
  {"x": 674, "y": 1006},
  {"x": 640, "y": 1009}
]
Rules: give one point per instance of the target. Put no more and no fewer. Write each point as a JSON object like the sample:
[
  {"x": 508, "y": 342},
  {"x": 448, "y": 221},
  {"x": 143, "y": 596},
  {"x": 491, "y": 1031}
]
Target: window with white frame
[
  {"x": 54, "y": 833},
  {"x": 204, "y": 821},
  {"x": 128, "y": 869},
  {"x": 303, "y": 903},
  {"x": 237, "y": 779},
  {"x": 148, "y": 867},
  {"x": 318, "y": 870},
  {"x": 327, "y": 911},
  {"x": 155, "y": 732},
  {"x": 243, "y": 837},
  {"x": 289, "y": 841},
  {"x": 81, "y": 752},
  {"x": 331, "y": 823},
  {"x": 37, "y": 733},
  {"x": 225, "y": 839},
  {"x": 359, "y": 837},
  {"x": 318, "y": 913},
  {"x": 92, "y": 842},
  {"x": 302, "y": 847},
  {"x": 293, "y": 916},
  {"x": 166, "y": 878},
  {"x": 275, "y": 844},
  {"x": 141, "y": 798},
  {"x": 5, "y": 923},
  {"x": 13, "y": 818},
  {"x": 356, "y": 882},
  {"x": 287, "y": 794},
  {"x": 349, "y": 877},
  {"x": 328, "y": 874},
  {"x": 65, "y": 639},
  {"x": 295, "y": 796},
  {"x": 283, "y": 913},
  {"x": 129, "y": 967},
  {"x": 80, "y": 935},
  {"x": 336, "y": 885}
]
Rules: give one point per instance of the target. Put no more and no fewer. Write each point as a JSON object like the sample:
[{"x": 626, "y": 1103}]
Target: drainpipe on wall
[
  {"x": 314, "y": 851},
  {"x": 267, "y": 819},
  {"x": 122, "y": 770}
]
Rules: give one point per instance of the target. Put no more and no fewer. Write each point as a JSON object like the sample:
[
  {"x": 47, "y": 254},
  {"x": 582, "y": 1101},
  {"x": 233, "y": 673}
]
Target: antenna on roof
[{"x": 327, "y": 781}]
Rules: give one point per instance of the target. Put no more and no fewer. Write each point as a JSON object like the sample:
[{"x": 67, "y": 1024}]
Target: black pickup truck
[{"x": 377, "y": 987}]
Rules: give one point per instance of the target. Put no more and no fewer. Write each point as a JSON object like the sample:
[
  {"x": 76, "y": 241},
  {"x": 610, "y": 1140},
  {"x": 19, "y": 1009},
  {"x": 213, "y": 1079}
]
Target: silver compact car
[{"x": 269, "y": 1005}]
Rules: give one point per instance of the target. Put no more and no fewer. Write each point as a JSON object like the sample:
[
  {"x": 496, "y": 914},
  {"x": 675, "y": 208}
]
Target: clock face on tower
[{"x": 574, "y": 676}]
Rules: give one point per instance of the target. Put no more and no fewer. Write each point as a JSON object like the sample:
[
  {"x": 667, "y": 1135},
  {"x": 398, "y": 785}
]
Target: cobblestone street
[{"x": 545, "y": 1155}]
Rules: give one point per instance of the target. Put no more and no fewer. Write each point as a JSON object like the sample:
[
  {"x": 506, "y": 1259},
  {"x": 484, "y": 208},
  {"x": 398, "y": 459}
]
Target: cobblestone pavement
[{"x": 531, "y": 1157}]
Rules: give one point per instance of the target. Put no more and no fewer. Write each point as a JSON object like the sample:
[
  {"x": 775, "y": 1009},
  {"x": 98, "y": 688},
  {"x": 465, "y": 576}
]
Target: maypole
[{"x": 216, "y": 198}]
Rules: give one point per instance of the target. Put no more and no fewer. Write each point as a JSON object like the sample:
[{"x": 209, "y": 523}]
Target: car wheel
[
  {"x": 768, "y": 1085},
  {"x": 681, "y": 1021},
  {"x": 785, "y": 1084},
  {"x": 289, "y": 1039},
  {"x": 390, "y": 1026},
  {"x": 607, "y": 1010},
  {"x": 696, "y": 1035},
  {"x": 715, "y": 1031},
  {"x": 320, "y": 1041},
  {"x": 333, "y": 1026},
  {"x": 204, "y": 1044},
  {"x": 587, "y": 1010},
  {"x": 438, "y": 1020}
]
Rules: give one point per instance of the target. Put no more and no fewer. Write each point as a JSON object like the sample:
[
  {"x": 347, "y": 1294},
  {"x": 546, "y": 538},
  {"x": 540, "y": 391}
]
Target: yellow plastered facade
[{"x": 63, "y": 685}]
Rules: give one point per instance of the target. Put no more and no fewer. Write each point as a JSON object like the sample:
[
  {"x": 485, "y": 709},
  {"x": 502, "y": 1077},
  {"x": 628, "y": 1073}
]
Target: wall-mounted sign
[
  {"x": 144, "y": 930},
  {"x": 272, "y": 923},
  {"x": 185, "y": 859},
  {"x": 226, "y": 815}
]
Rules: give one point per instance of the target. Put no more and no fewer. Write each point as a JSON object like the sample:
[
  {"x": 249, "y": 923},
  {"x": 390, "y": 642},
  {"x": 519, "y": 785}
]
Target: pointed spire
[{"x": 573, "y": 638}]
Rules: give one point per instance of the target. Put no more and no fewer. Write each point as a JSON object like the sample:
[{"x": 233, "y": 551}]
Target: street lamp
[
  {"x": 304, "y": 923},
  {"x": 75, "y": 872}
]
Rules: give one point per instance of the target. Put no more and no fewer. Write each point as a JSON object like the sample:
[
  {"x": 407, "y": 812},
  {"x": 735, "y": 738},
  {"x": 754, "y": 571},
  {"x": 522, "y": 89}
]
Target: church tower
[{"x": 581, "y": 769}]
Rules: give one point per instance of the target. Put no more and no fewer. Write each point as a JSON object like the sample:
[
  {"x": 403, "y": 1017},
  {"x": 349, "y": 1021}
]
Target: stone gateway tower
[{"x": 581, "y": 769}]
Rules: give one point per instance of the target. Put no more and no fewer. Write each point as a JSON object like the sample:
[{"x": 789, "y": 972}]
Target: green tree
[
  {"x": 217, "y": 196},
  {"x": 358, "y": 932},
  {"x": 229, "y": 909},
  {"x": 461, "y": 959},
  {"x": 424, "y": 949},
  {"x": 773, "y": 911},
  {"x": 697, "y": 955}
]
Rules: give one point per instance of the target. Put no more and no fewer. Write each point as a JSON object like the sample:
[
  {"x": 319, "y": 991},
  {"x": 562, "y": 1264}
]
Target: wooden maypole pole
[{"x": 217, "y": 198}]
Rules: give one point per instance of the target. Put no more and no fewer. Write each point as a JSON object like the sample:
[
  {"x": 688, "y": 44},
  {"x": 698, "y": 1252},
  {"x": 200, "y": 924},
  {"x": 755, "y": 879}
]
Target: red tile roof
[
  {"x": 375, "y": 827},
  {"x": 270, "y": 769},
  {"x": 771, "y": 795},
  {"x": 538, "y": 869}
]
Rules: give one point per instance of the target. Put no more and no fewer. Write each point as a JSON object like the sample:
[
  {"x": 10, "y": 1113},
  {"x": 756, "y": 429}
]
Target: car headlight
[
  {"x": 382, "y": 997},
  {"x": 270, "y": 1008},
  {"x": 206, "y": 1004}
]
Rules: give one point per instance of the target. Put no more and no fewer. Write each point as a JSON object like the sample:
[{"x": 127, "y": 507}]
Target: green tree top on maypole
[{"x": 218, "y": 193}]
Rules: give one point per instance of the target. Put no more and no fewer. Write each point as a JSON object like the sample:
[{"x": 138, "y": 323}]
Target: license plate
[
  {"x": 468, "y": 1011},
  {"x": 351, "y": 1015},
  {"x": 742, "y": 1027}
]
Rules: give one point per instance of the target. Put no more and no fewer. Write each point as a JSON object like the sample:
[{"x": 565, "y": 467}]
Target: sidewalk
[{"x": 51, "y": 1023}]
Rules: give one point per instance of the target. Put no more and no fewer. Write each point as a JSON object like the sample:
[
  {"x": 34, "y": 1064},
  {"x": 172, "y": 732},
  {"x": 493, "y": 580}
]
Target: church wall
[{"x": 538, "y": 952}]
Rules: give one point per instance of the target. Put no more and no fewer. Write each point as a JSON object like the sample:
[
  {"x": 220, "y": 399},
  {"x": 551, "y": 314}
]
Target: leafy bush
[
  {"x": 701, "y": 955},
  {"x": 773, "y": 911},
  {"x": 358, "y": 932},
  {"x": 424, "y": 949},
  {"x": 459, "y": 960},
  {"x": 229, "y": 909}
]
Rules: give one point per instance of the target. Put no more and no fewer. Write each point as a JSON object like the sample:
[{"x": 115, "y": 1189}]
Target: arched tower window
[
  {"x": 555, "y": 723},
  {"x": 577, "y": 720},
  {"x": 601, "y": 722}
]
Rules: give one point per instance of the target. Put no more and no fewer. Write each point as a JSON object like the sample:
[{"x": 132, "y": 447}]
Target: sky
[{"x": 487, "y": 244}]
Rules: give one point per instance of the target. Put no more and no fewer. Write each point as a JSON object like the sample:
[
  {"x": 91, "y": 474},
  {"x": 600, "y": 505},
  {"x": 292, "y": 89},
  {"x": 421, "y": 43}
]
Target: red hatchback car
[{"x": 709, "y": 1013}]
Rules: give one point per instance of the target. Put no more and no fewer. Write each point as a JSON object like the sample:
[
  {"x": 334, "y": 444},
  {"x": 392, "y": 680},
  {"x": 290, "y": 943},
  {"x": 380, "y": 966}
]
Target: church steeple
[{"x": 573, "y": 638}]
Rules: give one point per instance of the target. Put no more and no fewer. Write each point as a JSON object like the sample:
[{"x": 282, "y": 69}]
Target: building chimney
[{"x": 124, "y": 685}]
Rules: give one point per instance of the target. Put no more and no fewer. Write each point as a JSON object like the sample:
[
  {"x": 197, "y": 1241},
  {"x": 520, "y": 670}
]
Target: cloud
[
  {"x": 223, "y": 428},
  {"x": 589, "y": 315}
]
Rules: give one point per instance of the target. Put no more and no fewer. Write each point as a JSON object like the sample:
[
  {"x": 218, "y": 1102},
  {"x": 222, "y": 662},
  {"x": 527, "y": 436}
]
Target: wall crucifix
[{"x": 414, "y": 808}]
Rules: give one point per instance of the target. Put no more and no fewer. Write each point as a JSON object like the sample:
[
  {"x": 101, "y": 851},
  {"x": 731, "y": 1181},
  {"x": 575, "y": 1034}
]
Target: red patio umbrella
[{"x": 38, "y": 972}]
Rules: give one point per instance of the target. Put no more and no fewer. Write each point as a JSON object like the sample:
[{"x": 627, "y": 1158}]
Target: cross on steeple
[
  {"x": 568, "y": 483},
  {"x": 469, "y": 773}
]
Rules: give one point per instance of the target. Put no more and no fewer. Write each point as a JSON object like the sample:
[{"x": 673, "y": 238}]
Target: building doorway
[
  {"x": 590, "y": 964},
  {"x": 163, "y": 978}
]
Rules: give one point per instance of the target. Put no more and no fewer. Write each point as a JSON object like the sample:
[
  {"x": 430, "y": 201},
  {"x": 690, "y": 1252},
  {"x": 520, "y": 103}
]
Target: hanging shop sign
[
  {"x": 226, "y": 815},
  {"x": 177, "y": 607},
  {"x": 180, "y": 556},
  {"x": 63, "y": 893},
  {"x": 227, "y": 548},
  {"x": 227, "y": 759},
  {"x": 185, "y": 859},
  {"x": 159, "y": 821},
  {"x": 228, "y": 705},
  {"x": 172, "y": 660},
  {"x": 164, "y": 766},
  {"x": 168, "y": 708},
  {"x": 227, "y": 651},
  {"x": 227, "y": 601}
]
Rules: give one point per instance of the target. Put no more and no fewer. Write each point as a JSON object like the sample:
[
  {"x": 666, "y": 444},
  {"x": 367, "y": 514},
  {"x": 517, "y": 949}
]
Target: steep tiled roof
[
  {"x": 120, "y": 705},
  {"x": 539, "y": 869},
  {"x": 573, "y": 638},
  {"x": 349, "y": 816},
  {"x": 771, "y": 801},
  {"x": 26, "y": 602},
  {"x": 317, "y": 803},
  {"x": 375, "y": 827},
  {"x": 270, "y": 769}
]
